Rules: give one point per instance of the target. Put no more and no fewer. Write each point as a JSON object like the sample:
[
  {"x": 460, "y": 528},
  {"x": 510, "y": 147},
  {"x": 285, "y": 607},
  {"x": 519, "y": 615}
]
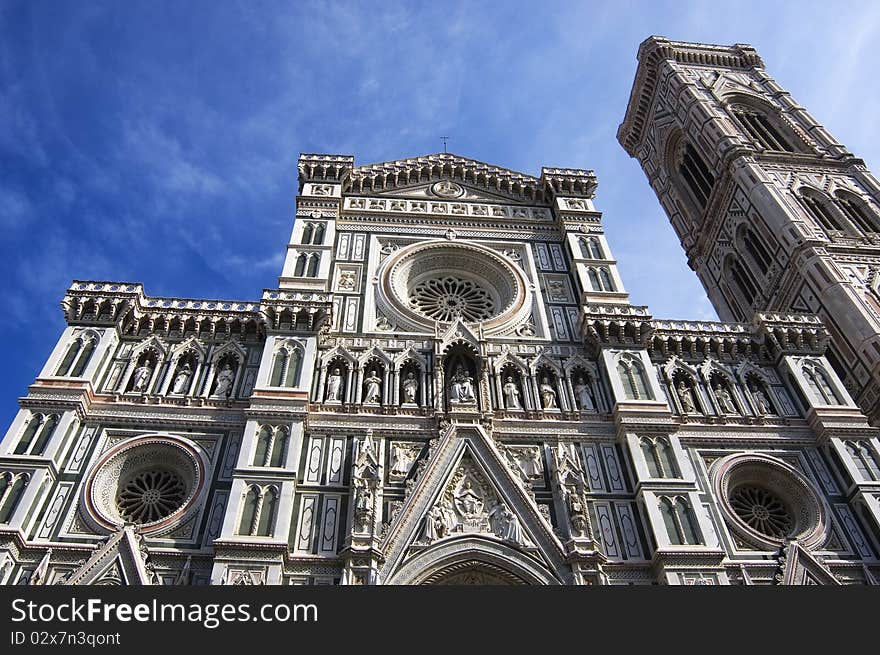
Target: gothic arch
[
  {"x": 473, "y": 553},
  {"x": 764, "y": 123}
]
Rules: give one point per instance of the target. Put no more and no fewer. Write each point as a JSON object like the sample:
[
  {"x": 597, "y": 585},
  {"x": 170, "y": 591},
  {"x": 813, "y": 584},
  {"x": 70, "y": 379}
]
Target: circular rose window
[
  {"x": 445, "y": 281},
  {"x": 152, "y": 482},
  {"x": 767, "y": 501}
]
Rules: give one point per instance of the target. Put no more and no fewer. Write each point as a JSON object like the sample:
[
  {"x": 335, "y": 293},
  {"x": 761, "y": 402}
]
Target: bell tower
[{"x": 774, "y": 214}]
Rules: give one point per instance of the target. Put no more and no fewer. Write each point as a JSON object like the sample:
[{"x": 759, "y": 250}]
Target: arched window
[
  {"x": 33, "y": 425},
  {"x": 591, "y": 248},
  {"x": 266, "y": 519},
  {"x": 263, "y": 453},
  {"x": 819, "y": 209},
  {"x": 247, "y": 526},
  {"x": 696, "y": 175},
  {"x": 856, "y": 211},
  {"x": 678, "y": 518},
  {"x": 594, "y": 280},
  {"x": 69, "y": 356},
  {"x": 45, "y": 434},
  {"x": 819, "y": 385},
  {"x": 300, "y": 268},
  {"x": 756, "y": 249},
  {"x": 864, "y": 460},
  {"x": 632, "y": 376},
  {"x": 318, "y": 239},
  {"x": 12, "y": 489},
  {"x": 760, "y": 128},
  {"x": 659, "y": 458},
  {"x": 278, "y": 447},
  {"x": 607, "y": 284},
  {"x": 314, "y": 260},
  {"x": 743, "y": 281},
  {"x": 278, "y": 368},
  {"x": 84, "y": 357},
  {"x": 308, "y": 231}
]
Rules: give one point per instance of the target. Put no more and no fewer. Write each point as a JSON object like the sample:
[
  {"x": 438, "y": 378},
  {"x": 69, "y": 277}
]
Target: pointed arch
[
  {"x": 250, "y": 499},
  {"x": 818, "y": 383},
  {"x": 633, "y": 377}
]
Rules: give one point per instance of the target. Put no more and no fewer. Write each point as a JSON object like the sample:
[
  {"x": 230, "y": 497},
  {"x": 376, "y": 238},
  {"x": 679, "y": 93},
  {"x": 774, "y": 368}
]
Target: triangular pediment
[
  {"x": 120, "y": 560},
  {"x": 456, "y": 192},
  {"x": 800, "y": 567},
  {"x": 468, "y": 495}
]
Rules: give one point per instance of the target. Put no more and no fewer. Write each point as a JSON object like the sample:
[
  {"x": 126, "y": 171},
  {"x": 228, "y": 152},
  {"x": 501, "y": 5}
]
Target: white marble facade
[{"x": 449, "y": 385}]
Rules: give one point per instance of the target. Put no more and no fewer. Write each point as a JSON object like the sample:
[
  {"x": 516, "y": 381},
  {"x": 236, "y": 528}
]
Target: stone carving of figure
[
  {"x": 576, "y": 514},
  {"x": 468, "y": 501},
  {"x": 410, "y": 389},
  {"x": 584, "y": 395},
  {"x": 181, "y": 380},
  {"x": 761, "y": 402},
  {"x": 462, "y": 387},
  {"x": 725, "y": 400},
  {"x": 686, "y": 398},
  {"x": 224, "y": 382},
  {"x": 434, "y": 526},
  {"x": 334, "y": 385},
  {"x": 548, "y": 394},
  {"x": 447, "y": 514},
  {"x": 142, "y": 376},
  {"x": 511, "y": 394},
  {"x": 511, "y": 530},
  {"x": 531, "y": 463},
  {"x": 401, "y": 460},
  {"x": 373, "y": 392}
]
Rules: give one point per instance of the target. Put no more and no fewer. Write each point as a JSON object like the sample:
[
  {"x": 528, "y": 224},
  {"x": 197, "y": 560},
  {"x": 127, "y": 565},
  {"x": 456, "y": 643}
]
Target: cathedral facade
[{"x": 449, "y": 384}]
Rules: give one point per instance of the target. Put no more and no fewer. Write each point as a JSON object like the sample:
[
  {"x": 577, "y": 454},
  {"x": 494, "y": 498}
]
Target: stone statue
[
  {"x": 548, "y": 394},
  {"x": 224, "y": 382},
  {"x": 401, "y": 460},
  {"x": 434, "y": 526},
  {"x": 468, "y": 501},
  {"x": 334, "y": 385},
  {"x": 410, "y": 389},
  {"x": 511, "y": 530},
  {"x": 511, "y": 394},
  {"x": 181, "y": 380},
  {"x": 576, "y": 515},
  {"x": 686, "y": 398},
  {"x": 447, "y": 514},
  {"x": 373, "y": 392},
  {"x": 142, "y": 375},
  {"x": 584, "y": 395},
  {"x": 462, "y": 390},
  {"x": 531, "y": 463},
  {"x": 761, "y": 403},
  {"x": 725, "y": 400}
]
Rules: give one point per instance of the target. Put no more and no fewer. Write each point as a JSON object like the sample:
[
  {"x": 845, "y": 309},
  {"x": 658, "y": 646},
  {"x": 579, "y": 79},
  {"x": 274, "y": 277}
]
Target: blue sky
[{"x": 157, "y": 141}]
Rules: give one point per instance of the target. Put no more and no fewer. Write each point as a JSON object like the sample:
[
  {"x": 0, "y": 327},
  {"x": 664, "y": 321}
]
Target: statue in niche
[
  {"x": 584, "y": 395},
  {"x": 410, "y": 389},
  {"x": 181, "y": 380},
  {"x": 511, "y": 394},
  {"x": 373, "y": 384},
  {"x": 548, "y": 394},
  {"x": 725, "y": 400},
  {"x": 686, "y": 398},
  {"x": 531, "y": 463},
  {"x": 577, "y": 515},
  {"x": 468, "y": 501},
  {"x": 334, "y": 385},
  {"x": 142, "y": 375},
  {"x": 401, "y": 460},
  {"x": 462, "y": 390},
  {"x": 761, "y": 403},
  {"x": 224, "y": 382},
  {"x": 434, "y": 526}
]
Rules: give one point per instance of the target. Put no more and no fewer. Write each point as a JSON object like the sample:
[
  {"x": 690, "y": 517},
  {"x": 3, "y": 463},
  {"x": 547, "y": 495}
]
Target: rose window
[
  {"x": 767, "y": 501},
  {"x": 448, "y": 298},
  {"x": 151, "y": 495},
  {"x": 443, "y": 281},
  {"x": 154, "y": 481},
  {"x": 762, "y": 511}
]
